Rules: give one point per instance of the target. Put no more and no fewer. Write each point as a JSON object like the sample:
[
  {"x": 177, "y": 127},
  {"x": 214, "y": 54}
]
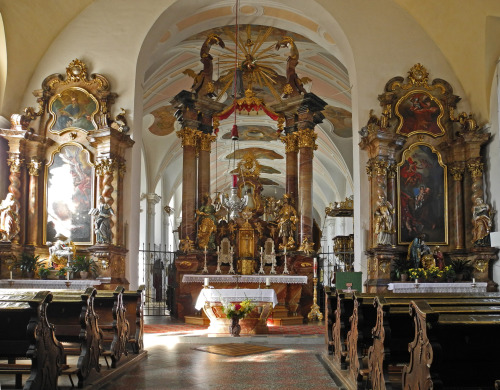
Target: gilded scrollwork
[
  {"x": 188, "y": 136},
  {"x": 206, "y": 141},
  {"x": 475, "y": 168},
  {"x": 105, "y": 166},
  {"x": 380, "y": 167},
  {"x": 392, "y": 170},
  {"x": 15, "y": 163},
  {"x": 34, "y": 166},
  {"x": 457, "y": 173},
  {"x": 291, "y": 142},
  {"x": 306, "y": 138}
]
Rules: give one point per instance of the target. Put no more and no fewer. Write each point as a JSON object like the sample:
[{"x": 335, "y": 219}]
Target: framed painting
[
  {"x": 422, "y": 196},
  {"x": 69, "y": 190},
  {"x": 419, "y": 112},
  {"x": 73, "y": 109}
]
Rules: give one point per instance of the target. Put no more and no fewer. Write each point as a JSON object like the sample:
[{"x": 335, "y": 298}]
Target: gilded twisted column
[
  {"x": 306, "y": 142},
  {"x": 291, "y": 150},
  {"x": 122, "y": 169},
  {"x": 392, "y": 193},
  {"x": 105, "y": 170},
  {"x": 377, "y": 170},
  {"x": 205, "y": 146},
  {"x": 15, "y": 163},
  {"x": 34, "y": 167},
  {"x": 189, "y": 140},
  {"x": 457, "y": 173},
  {"x": 475, "y": 168}
]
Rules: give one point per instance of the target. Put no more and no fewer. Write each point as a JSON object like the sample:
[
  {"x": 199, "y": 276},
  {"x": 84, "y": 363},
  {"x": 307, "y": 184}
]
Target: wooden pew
[
  {"x": 453, "y": 348},
  {"x": 26, "y": 333},
  {"x": 134, "y": 313},
  {"x": 112, "y": 323},
  {"x": 330, "y": 307},
  {"x": 341, "y": 327},
  {"x": 394, "y": 329}
]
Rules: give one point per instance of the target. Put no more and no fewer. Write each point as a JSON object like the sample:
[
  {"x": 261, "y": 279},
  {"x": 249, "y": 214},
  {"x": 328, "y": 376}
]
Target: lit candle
[
  {"x": 473, "y": 280},
  {"x": 67, "y": 275},
  {"x": 268, "y": 282},
  {"x": 315, "y": 267},
  {"x": 285, "y": 250},
  {"x": 11, "y": 274},
  {"x": 205, "y": 282},
  {"x": 416, "y": 281},
  {"x": 205, "y": 249},
  {"x": 261, "y": 250}
]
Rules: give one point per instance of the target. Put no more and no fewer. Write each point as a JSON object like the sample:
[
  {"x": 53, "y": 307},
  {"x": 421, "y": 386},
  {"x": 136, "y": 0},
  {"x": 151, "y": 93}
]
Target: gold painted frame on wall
[
  {"x": 69, "y": 194},
  {"x": 422, "y": 195},
  {"x": 73, "y": 109},
  {"x": 419, "y": 112}
]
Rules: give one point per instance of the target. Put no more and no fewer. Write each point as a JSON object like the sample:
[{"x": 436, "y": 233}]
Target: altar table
[
  {"x": 48, "y": 284},
  {"x": 210, "y": 299},
  {"x": 456, "y": 287},
  {"x": 286, "y": 279}
]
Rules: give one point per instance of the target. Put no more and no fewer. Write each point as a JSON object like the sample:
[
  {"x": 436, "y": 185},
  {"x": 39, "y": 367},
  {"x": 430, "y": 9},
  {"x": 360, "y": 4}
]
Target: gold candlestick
[{"x": 315, "y": 313}]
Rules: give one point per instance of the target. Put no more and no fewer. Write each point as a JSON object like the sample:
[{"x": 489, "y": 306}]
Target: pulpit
[{"x": 211, "y": 301}]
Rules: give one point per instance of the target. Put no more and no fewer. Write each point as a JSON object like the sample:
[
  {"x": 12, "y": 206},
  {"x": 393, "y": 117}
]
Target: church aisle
[{"x": 180, "y": 366}]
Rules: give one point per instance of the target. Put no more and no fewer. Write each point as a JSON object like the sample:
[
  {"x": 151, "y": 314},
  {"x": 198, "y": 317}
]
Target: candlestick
[
  {"x": 315, "y": 312},
  {"x": 268, "y": 282},
  {"x": 205, "y": 282},
  {"x": 205, "y": 250},
  {"x": 315, "y": 267},
  {"x": 67, "y": 275},
  {"x": 235, "y": 180},
  {"x": 11, "y": 274},
  {"x": 473, "y": 280},
  {"x": 416, "y": 281}
]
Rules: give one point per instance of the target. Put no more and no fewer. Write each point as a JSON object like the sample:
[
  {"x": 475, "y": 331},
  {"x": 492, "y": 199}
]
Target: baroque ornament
[
  {"x": 34, "y": 167},
  {"x": 291, "y": 142},
  {"x": 475, "y": 168},
  {"x": 188, "y": 136},
  {"x": 307, "y": 139}
]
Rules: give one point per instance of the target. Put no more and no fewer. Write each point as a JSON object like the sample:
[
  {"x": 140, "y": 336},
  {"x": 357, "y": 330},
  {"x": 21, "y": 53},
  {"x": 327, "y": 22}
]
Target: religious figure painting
[
  {"x": 419, "y": 112},
  {"x": 69, "y": 195},
  {"x": 423, "y": 196},
  {"x": 74, "y": 108}
]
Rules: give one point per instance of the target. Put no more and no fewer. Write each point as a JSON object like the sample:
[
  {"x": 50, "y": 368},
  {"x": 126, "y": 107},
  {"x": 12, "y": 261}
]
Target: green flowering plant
[
  {"x": 449, "y": 272},
  {"x": 417, "y": 273},
  {"x": 434, "y": 273},
  {"x": 237, "y": 310}
]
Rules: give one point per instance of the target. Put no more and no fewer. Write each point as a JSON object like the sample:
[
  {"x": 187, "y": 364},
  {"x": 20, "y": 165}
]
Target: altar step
[
  {"x": 197, "y": 320},
  {"x": 280, "y": 317}
]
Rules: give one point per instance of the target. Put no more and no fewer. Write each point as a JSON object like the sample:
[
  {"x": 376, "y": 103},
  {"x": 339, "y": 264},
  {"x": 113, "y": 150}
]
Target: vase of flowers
[{"x": 236, "y": 311}]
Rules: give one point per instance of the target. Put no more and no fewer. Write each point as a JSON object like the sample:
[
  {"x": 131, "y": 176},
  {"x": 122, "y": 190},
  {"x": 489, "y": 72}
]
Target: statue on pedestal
[
  {"x": 102, "y": 224},
  {"x": 9, "y": 218},
  {"x": 287, "y": 218},
  {"x": 62, "y": 251},
  {"x": 383, "y": 221},
  {"x": 481, "y": 220},
  {"x": 417, "y": 250},
  {"x": 205, "y": 217}
]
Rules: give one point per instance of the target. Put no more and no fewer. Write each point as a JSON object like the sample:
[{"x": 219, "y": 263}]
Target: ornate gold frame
[
  {"x": 445, "y": 187},
  {"x": 419, "y": 131},
  {"x": 92, "y": 195},
  {"x": 54, "y": 116}
]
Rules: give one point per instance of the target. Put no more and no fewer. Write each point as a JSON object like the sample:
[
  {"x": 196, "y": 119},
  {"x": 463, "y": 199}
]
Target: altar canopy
[{"x": 236, "y": 295}]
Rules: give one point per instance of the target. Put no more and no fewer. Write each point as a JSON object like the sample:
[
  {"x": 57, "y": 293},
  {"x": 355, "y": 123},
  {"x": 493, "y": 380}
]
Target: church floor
[{"x": 174, "y": 363}]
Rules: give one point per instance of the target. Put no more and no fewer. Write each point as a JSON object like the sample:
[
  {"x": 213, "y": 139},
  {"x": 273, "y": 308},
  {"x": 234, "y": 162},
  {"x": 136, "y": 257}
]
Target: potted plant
[
  {"x": 463, "y": 269},
  {"x": 434, "y": 273},
  {"x": 43, "y": 271},
  {"x": 449, "y": 273},
  {"x": 400, "y": 269},
  {"x": 61, "y": 273},
  {"x": 417, "y": 273},
  {"x": 28, "y": 264},
  {"x": 85, "y": 265}
]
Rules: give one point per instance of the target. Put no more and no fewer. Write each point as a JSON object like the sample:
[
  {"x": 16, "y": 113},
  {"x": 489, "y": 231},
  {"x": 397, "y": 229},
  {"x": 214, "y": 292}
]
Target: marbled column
[
  {"x": 205, "y": 146},
  {"x": 15, "y": 163},
  {"x": 34, "y": 167},
  {"x": 475, "y": 168},
  {"x": 120, "y": 239},
  {"x": 377, "y": 170},
  {"x": 151, "y": 200},
  {"x": 391, "y": 194},
  {"x": 104, "y": 169},
  {"x": 189, "y": 139},
  {"x": 457, "y": 172},
  {"x": 307, "y": 144},
  {"x": 291, "y": 149}
]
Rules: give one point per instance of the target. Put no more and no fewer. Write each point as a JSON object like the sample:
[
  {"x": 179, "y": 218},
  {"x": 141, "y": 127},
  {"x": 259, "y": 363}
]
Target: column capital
[
  {"x": 104, "y": 165},
  {"x": 291, "y": 142},
  {"x": 188, "y": 136},
  {"x": 206, "y": 141},
  {"x": 457, "y": 172},
  {"x": 376, "y": 167},
  {"x": 306, "y": 138},
  {"x": 34, "y": 166},
  {"x": 392, "y": 170},
  {"x": 15, "y": 162},
  {"x": 475, "y": 168},
  {"x": 151, "y": 197}
]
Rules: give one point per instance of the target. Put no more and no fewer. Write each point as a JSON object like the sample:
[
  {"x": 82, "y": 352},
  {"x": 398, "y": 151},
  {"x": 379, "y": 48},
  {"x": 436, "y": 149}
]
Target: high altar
[
  {"x": 243, "y": 231},
  {"x": 67, "y": 166},
  {"x": 425, "y": 167}
]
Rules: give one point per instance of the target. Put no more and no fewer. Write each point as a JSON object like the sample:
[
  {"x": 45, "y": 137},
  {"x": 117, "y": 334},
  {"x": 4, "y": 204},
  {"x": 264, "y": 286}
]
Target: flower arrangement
[
  {"x": 237, "y": 310},
  {"x": 449, "y": 272},
  {"x": 417, "y": 273},
  {"x": 434, "y": 273}
]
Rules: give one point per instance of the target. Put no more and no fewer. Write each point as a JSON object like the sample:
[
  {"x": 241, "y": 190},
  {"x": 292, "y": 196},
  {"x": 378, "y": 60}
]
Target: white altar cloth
[
  {"x": 457, "y": 287},
  {"x": 236, "y": 295},
  {"x": 286, "y": 279},
  {"x": 48, "y": 284}
]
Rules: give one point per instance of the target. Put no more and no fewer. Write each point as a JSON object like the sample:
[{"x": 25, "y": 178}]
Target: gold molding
[
  {"x": 105, "y": 166},
  {"x": 291, "y": 142},
  {"x": 15, "y": 163},
  {"x": 306, "y": 138},
  {"x": 457, "y": 173},
  {"x": 392, "y": 170},
  {"x": 34, "y": 166},
  {"x": 188, "y": 136},
  {"x": 206, "y": 141},
  {"x": 380, "y": 167},
  {"x": 475, "y": 168}
]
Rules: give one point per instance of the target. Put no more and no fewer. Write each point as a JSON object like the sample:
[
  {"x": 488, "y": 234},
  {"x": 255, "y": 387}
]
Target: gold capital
[
  {"x": 475, "y": 168},
  {"x": 307, "y": 139},
  {"x": 379, "y": 167},
  {"x": 15, "y": 163},
  {"x": 291, "y": 142},
  {"x": 391, "y": 170},
  {"x": 188, "y": 136},
  {"x": 105, "y": 166},
  {"x": 206, "y": 141},
  {"x": 34, "y": 166},
  {"x": 457, "y": 173}
]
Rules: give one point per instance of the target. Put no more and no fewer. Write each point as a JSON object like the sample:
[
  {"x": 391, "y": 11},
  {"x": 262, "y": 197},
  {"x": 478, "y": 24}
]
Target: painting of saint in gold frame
[
  {"x": 422, "y": 196},
  {"x": 69, "y": 190},
  {"x": 419, "y": 112},
  {"x": 73, "y": 109}
]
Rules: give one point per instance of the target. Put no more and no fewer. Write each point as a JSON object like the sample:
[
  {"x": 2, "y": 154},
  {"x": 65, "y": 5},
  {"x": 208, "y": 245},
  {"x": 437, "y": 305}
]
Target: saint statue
[
  {"x": 416, "y": 250},
  {"x": 438, "y": 257},
  {"x": 102, "y": 224},
  {"x": 61, "y": 252},
  {"x": 383, "y": 221},
  {"x": 9, "y": 218},
  {"x": 287, "y": 218},
  {"x": 481, "y": 220},
  {"x": 205, "y": 217}
]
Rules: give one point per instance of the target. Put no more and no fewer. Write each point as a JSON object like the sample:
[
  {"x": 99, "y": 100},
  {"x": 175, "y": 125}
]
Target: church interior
[{"x": 301, "y": 192}]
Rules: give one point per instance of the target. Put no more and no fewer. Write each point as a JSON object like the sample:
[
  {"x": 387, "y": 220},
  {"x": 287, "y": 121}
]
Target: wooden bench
[
  {"x": 133, "y": 302},
  {"x": 341, "y": 327},
  {"x": 330, "y": 307},
  {"x": 453, "y": 348},
  {"x": 26, "y": 333},
  {"x": 394, "y": 330},
  {"x": 112, "y": 323}
]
